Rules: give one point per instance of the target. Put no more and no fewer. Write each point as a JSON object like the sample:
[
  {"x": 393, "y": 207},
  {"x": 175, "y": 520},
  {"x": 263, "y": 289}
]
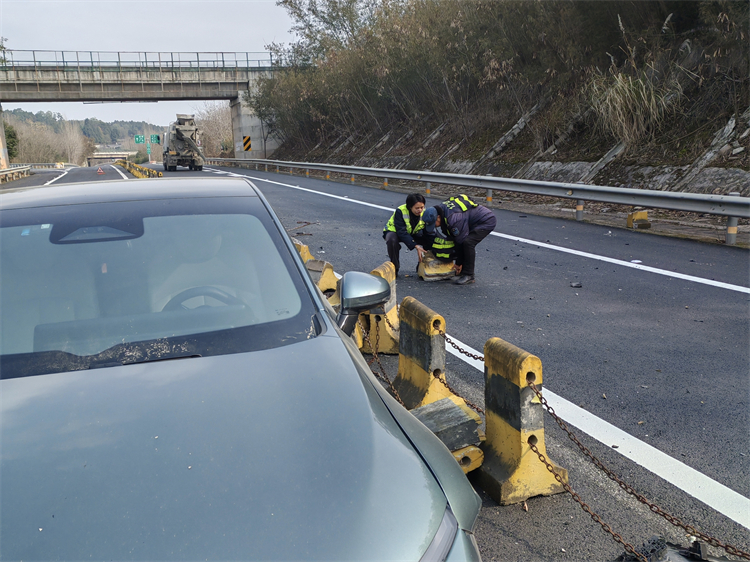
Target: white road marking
[
  {"x": 721, "y": 285},
  {"x": 623, "y": 263},
  {"x": 53, "y": 180},
  {"x": 715, "y": 495},
  {"x": 116, "y": 169}
]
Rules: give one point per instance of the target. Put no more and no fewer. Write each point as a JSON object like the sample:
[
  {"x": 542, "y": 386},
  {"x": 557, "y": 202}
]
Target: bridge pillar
[
  {"x": 4, "y": 159},
  {"x": 246, "y": 124}
]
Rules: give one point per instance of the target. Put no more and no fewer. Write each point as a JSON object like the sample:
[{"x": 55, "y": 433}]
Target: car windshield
[{"x": 91, "y": 285}]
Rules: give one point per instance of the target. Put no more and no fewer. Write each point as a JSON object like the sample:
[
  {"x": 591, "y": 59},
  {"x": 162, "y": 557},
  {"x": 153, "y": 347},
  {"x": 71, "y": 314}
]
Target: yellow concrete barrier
[
  {"x": 321, "y": 272},
  {"x": 304, "y": 251},
  {"x": 421, "y": 357},
  {"x": 432, "y": 269},
  {"x": 511, "y": 471},
  {"x": 385, "y": 333},
  {"x": 638, "y": 219}
]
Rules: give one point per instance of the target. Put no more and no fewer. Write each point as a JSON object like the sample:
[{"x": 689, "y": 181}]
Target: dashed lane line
[
  {"x": 715, "y": 495},
  {"x": 667, "y": 273}
]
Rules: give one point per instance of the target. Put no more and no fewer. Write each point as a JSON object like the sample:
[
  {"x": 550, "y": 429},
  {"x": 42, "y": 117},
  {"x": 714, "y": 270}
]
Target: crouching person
[
  {"x": 405, "y": 226},
  {"x": 464, "y": 223}
]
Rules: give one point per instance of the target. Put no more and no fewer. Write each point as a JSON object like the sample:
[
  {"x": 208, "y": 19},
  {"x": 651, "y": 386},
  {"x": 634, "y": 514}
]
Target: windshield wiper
[{"x": 170, "y": 358}]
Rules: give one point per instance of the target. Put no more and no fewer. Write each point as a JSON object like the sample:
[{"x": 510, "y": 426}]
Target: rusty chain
[
  {"x": 459, "y": 348},
  {"x": 468, "y": 402},
  {"x": 375, "y": 358},
  {"x": 733, "y": 550},
  {"x": 628, "y": 547}
]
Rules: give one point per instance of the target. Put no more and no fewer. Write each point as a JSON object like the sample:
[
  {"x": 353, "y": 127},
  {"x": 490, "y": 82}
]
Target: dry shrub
[{"x": 631, "y": 108}]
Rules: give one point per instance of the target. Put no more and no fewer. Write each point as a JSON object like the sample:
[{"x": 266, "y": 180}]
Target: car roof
[{"x": 125, "y": 190}]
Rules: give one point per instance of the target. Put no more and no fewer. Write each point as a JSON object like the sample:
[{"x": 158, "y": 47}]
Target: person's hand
[
  {"x": 420, "y": 252},
  {"x": 457, "y": 268}
]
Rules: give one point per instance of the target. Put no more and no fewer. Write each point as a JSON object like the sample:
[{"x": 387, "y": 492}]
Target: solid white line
[
  {"x": 116, "y": 169},
  {"x": 738, "y": 288},
  {"x": 53, "y": 180},
  {"x": 714, "y": 494}
]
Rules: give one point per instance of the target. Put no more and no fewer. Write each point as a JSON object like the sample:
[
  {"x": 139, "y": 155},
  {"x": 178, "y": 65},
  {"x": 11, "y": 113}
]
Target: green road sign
[
  {"x": 148, "y": 148},
  {"x": 155, "y": 139},
  {"x": 140, "y": 139}
]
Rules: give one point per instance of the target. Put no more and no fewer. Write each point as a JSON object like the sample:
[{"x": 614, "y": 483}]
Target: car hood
[{"x": 276, "y": 454}]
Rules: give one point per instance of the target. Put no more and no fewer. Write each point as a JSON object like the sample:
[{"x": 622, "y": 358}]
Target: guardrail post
[
  {"x": 731, "y": 239},
  {"x": 427, "y": 188},
  {"x": 307, "y": 173},
  {"x": 514, "y": 416},
  {"x": 266, "y": 167},
  {"x": 489, "y": 196},
  {"x": 352, "y": 179},
  {"x": 385, "y": 183},
  {"x": 277, "y": 169},
  {"x": 579, "y": 210},
  {"x": 328, "y": 175}
]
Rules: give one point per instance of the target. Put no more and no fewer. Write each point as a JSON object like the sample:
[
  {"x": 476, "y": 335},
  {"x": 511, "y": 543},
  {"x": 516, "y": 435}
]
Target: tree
[
  {"x": 11, "y": 140},
  {"x": 72, "y": 142},
  {"x": 214, "y": 119}
]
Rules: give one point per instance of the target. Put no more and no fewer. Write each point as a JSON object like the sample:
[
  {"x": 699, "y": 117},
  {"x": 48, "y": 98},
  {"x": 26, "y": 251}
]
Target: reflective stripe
[
  {"x": 461, "y": 201},
  {"x": 391, "y": 224},
  {"x": 443, "y": 249}
]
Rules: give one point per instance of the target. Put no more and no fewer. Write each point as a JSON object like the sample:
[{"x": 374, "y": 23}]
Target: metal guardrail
[
  {"x": 724, "y": 205},
  {"x": 58, "y": 165},
  {"x": 112, "y": 60},
  {"x": 14, "y": 173}
]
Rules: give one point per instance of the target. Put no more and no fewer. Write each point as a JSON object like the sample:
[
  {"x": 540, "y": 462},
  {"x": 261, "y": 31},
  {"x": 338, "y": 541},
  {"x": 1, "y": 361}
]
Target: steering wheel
[{"x": 175, "y": 303}]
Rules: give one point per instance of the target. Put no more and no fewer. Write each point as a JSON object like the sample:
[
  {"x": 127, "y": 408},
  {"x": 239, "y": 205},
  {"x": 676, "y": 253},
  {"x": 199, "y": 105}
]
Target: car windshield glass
[{"x": 84, "y": 286}]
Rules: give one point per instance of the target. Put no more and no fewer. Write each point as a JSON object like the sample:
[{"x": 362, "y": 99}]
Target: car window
[{"x": 136, "y": 281}]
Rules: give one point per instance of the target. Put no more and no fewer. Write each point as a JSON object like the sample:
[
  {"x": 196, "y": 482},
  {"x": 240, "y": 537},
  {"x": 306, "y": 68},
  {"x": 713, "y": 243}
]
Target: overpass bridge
[{"x": 106, "y": 76}]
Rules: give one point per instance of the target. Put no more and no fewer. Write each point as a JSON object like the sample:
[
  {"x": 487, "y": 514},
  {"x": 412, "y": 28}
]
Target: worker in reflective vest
[
  {"x": 405, "y": 226},
  {"x": 464, "y": 223}
]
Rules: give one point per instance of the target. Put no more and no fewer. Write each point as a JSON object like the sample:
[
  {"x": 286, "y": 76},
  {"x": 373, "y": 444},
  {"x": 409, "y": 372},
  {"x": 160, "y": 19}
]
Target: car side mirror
[{"x": 359, "y": 292}]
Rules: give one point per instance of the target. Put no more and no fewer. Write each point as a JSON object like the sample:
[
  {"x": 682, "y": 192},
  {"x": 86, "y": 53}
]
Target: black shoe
[{"x": 464, "y": 280}]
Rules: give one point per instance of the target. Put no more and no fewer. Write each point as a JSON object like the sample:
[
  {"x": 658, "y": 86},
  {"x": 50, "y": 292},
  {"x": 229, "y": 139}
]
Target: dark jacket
[{"x": 460, "y": 223}]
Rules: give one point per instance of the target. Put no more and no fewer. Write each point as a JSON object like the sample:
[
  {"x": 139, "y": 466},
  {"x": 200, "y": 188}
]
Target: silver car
[{"x": 175, "y": 387}]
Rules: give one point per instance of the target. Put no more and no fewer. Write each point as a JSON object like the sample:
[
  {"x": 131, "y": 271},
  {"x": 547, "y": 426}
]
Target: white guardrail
[
  {"x": 59, "y": 165},
  {"x": 14, "y": 172},
  {"x": 731, "y": 206}
]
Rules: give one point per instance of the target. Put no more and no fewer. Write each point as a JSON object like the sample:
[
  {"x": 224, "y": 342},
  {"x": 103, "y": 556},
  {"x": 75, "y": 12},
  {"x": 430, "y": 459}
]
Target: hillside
[{"x": 638, "y": 94}]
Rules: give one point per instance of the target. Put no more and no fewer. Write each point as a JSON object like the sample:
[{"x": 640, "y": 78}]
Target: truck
[{"x": 182, "y": 144}]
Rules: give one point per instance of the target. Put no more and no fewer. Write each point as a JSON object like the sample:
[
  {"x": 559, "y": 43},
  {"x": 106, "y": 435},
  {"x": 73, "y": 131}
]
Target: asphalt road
[{"x": 661, "y": 354}]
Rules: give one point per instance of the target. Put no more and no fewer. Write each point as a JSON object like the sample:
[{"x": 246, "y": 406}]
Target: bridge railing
[{"x": 147, "y": 60}]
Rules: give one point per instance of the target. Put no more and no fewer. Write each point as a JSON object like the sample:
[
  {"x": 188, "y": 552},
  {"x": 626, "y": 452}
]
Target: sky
[{"x": 139, "y": 25}]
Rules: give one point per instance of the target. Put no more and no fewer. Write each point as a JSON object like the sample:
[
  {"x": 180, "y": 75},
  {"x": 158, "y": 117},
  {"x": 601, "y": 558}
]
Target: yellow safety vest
[
  {"x": 391, "y": 224},
  {"x": 461, "y": 202},
  {"x": 443, "y": 249}
]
